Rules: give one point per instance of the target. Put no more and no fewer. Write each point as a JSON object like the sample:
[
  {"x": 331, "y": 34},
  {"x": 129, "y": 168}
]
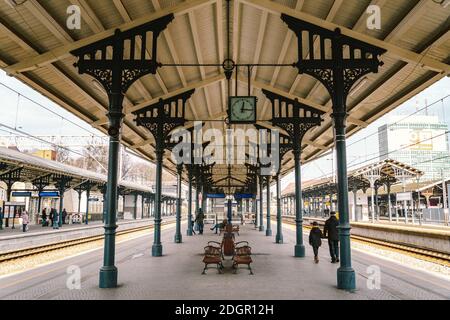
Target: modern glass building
[{"x": 419, "y": 141}]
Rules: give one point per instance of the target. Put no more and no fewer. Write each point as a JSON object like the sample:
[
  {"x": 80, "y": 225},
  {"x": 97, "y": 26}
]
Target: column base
[
  {"x": 189, "y": 233},
  {"x": 268, "y": 232},
  {"x": 299, "y": 251},
  {"x": 279, "y": 239},
  {"x": 157, "y": 250},
  {"x": 261, "y": 228},
  {"x": 108, "y": 277},
  {"x": 178, "y": 238},
  {"x": 346, "y": 279}
]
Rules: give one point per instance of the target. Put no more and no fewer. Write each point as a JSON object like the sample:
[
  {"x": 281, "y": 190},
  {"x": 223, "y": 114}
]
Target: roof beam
[
  {"x": 259, "y": 41},
  {"x": 198, "y": 52},
  {"x": 196, "y": 85},
  {"x": 388, "y": 79},
  {"x": 401, "y": 53},
  {"x": 285, "y": 47},
  {"x": 310, "y": 103},
  {"x": 63, "y": 51},
  {"x": 173, "y": 53}
]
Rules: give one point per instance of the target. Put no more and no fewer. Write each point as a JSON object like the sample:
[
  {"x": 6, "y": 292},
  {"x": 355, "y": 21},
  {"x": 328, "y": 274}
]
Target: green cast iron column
[
  {"x": 279, "y": 236},
  {"x": 135, "y": 206},
  {"x": 108, "y": 272},
  {"x": 230, "y": 212},
  {"x": 88, "y": 194},
  {"x": 261, "y": 206},
  {"x": 345, "y": 274},
  {"x": 61, "y": 206},
  {"x": 269, "y": 229},
  {"x": 197, "y": 199},
  {"x": 178, "y": 237},
  {"x": 299, "y": 246},
  {"x": 189, "y": 227},
  {"x": 157, "y": 246}
]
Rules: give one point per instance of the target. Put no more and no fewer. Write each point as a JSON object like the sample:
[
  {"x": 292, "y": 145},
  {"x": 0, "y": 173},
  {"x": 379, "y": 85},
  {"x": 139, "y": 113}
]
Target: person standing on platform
[
  {"x": 193, "y": 227},
  {"x": 64, "y": 215},
  {"x": 44, "y": 218},
  {"x": 25, "y": 221},
  {"x": 315, "y": 240},
  {"x": 199, "y": 219},
  {"x": 51, "y": 217},
  {"x": 331, "y": 231}
]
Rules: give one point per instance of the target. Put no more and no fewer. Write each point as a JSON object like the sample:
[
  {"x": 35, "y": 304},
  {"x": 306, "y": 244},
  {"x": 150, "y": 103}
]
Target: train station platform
[
  {"x": 177, "y": 274},
  {"x": 15, "y": 239},
  {"x": 434, "y": 238}
]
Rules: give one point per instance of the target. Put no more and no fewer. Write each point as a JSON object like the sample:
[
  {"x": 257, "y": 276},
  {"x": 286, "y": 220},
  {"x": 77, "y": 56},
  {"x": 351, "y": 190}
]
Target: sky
[{"x": 19, "y": 113}]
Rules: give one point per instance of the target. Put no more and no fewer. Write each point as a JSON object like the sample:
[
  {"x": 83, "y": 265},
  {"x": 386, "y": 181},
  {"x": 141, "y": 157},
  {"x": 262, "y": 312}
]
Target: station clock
[{"x": 242, "y": 110}]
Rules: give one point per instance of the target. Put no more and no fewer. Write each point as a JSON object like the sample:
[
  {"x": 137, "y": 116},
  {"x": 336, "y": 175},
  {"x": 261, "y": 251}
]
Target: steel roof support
[
  {"x": 117, "y": 75},
  {"x": 62, "y": 182},
  {"x": 296, "y": 119},
  {"x": 338, "y": 67},
  {"x": 160, "y": 119},
  {"x": 178, "y": 236}
]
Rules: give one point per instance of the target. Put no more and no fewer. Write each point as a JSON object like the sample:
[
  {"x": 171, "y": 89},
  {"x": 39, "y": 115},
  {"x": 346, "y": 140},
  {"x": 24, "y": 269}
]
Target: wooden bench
[
  {"x": 242, "y": 255},
  {"x": 213, "y": 255}
]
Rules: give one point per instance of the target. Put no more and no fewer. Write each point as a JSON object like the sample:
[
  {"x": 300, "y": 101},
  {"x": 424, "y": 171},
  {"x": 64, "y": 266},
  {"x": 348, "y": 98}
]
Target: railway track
[
  {"x": 427, "y": 255},
  {"x": 27, "y": 252}
]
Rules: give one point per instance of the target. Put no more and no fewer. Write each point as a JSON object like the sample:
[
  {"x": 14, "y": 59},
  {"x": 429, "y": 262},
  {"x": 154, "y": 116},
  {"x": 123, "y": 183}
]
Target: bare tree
[{"x": 62, "y": 154}]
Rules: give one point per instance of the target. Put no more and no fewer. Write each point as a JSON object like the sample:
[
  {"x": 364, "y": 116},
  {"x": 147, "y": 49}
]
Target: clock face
[{"x": 242, "y": 110}]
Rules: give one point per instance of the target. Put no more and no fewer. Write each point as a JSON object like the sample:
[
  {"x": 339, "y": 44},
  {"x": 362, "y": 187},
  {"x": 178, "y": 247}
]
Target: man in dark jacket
[
  {"x": 332, "y": 232},
  {"x": 315, "y": 240},
  {"x": 199, "y": 220}
]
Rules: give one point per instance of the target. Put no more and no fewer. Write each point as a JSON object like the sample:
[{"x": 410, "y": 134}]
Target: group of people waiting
[
  {"x": 53, "y": 217},
  {"x": 330, "y": 232}
]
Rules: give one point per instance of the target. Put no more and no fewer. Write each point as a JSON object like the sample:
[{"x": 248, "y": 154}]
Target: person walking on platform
[
  {"x": 199, "y": 219},
  {"x": 315, "y": 240},
  {"x": 25, "y": 221},
  {"x": 331, "y": 231}
]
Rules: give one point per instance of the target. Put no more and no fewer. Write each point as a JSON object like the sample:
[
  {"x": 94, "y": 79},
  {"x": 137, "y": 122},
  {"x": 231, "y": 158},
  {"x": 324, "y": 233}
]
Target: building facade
[{"x": 419, "y": 141}]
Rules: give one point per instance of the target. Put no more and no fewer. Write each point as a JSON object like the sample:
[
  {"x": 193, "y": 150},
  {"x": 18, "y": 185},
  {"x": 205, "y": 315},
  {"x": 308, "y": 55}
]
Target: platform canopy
[
  {"x": 383, "y": 172},
  {"x": 35, "y": 47},
  {"x": 32, "y": 168}
]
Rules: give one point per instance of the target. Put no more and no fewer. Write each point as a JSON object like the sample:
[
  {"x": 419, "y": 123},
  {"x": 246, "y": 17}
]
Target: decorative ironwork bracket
[
  {"x": 339, "y": 56},
  {"x": 163, "y": 117},
  {"x": 42, "y": 182},
  {"x": 293, "y": 117},
  {"x": 12, "y": 176},
  {"x": 62, "y": 182},
  {"x": 95, "y": 60}
]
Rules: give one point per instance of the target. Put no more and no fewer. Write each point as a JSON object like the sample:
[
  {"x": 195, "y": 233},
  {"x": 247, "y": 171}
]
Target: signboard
[
  {"x": 20, "y": 194},
  {"x": 404, "y": 196},
  {"x": 244, "y": 196},
  {"x": 49, "y": 194},
  {"x": 15, "y": 204},
  {"x": 215, "y": 195},
  {"x": 93, "y": 199}
]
